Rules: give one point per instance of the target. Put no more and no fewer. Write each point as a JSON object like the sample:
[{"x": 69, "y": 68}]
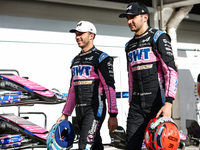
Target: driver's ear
[
  {"x": 146, "y": 16},
  {"x": 92, "y": 35}
]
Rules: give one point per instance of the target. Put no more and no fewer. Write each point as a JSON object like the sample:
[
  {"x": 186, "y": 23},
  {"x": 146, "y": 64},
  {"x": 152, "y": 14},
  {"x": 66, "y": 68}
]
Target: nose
[
  {"x": 128, "y": 21},
  {"x": 77, "y": 37}
]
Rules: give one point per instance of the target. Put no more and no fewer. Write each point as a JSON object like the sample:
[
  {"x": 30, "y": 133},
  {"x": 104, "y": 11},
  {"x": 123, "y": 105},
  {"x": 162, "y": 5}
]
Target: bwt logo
[
  {"x": 139, "y": 54},
  {"x": 79, "y": 70}
]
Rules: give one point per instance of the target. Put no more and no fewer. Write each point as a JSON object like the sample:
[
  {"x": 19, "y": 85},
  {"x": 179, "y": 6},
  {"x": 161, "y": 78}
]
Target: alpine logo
[
  {"x": 89, "y": 58},
  {"x": 129, "y": 7},
  {"x": 146, "y": 40},
  {"x": 79, "y": 24}
]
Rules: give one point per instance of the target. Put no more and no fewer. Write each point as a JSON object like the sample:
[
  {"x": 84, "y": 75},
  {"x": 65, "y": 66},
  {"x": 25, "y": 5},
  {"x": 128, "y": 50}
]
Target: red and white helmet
[{"x": 161, "y": 134}]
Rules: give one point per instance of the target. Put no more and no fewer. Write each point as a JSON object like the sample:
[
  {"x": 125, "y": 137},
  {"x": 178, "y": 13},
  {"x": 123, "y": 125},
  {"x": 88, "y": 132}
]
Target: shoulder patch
[
  {"x": 126, "y": 44},
  {"x": 72, "y": 61},
  {"x": 102, "y": 57},
  {"x": 157, "y": 35}
]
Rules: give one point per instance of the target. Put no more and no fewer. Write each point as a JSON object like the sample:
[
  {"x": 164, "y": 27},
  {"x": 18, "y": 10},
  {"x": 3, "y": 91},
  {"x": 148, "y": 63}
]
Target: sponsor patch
[
  {"x": 82, "y": 82},
  {"x": 142, "y": 67}
]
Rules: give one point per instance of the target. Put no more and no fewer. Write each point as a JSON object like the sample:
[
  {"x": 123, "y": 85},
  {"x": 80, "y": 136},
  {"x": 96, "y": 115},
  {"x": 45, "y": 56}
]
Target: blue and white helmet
[{"x": 61, "y": 136}]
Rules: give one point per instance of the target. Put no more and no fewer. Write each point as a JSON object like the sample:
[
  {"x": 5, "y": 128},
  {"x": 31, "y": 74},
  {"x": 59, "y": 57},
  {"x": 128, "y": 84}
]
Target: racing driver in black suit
[
  {"x": 92, "y": 81},
  {"x": 152, "y": 74}
]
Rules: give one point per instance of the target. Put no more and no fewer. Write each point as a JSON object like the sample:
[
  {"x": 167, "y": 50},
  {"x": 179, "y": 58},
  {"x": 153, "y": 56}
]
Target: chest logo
[
  {"x": 81, "y": 70},
  {"x": 139, "y": 54}
]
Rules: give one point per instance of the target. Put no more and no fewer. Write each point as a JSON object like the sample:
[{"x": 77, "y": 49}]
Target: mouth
[
  {"x": 131, "y": 26},
  {"x": 78, "y": 41}
]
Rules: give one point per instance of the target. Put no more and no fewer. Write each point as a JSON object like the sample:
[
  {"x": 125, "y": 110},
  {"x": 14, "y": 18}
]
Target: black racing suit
[
  {"x": 152, "y": 81},
  {"x": 92, "y": 81}
]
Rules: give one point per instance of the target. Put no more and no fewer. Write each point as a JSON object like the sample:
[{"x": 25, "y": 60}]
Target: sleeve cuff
[
  {"x": 65, "y": 113},
  {"x": 169, "y": 99},
  {"x": 113, "y": 115}
]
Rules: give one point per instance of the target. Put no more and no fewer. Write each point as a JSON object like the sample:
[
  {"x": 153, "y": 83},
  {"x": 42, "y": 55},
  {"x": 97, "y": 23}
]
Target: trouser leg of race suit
[
  {"x": 90, "y": 138},
  {"x": 136, "y": 126},
  {"x": 137, "y": 121}
]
